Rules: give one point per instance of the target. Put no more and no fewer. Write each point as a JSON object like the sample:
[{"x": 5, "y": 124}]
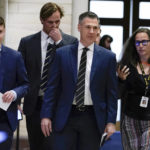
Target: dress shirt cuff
[
  {"x": 15, "y": 95},
  {"x": 58, "y": 42}
]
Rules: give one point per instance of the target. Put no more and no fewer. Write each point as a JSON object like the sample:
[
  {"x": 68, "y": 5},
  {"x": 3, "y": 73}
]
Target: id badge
[{"x": 144, "y": 101}]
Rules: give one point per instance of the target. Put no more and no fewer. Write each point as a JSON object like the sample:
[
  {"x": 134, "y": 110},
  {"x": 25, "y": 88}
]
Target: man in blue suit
[
  {"x": 80, "y": 102},
  {"x": 13, "y": 86},
  {"x": 34, "y": 50}
]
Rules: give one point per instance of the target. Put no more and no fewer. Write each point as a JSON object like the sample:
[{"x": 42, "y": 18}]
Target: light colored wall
[
  {"x": 23, "y": 18},
  {"x": 78, "y": 7},
  {"x": 2, "y": 8}
]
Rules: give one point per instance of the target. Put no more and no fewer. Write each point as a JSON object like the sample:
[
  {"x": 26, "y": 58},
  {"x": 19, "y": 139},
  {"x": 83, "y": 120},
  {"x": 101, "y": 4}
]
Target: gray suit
[{"x": 30, "y": 47}]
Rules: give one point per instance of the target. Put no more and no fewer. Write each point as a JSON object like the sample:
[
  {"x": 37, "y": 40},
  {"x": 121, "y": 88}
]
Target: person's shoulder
[
  {"x": 68, "y": 38},
  {"x": 68, "y": 47},
  {"x": 32, "y": 36},
  {"x": 104, "y": 51},
  {"x": 11, "y": 51}
]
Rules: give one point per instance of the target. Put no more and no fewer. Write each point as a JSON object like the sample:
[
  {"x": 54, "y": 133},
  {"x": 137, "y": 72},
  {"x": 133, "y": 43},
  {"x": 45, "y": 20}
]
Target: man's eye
[
  {"x": 95, "y": 28},
  {"x": 88, "y": 27},
  {"x": 57, "y": 22}
]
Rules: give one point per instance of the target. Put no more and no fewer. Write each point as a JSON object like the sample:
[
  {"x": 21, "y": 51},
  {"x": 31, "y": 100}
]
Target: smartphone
[
  {"x": 19, "y": 115},
  {"x": 103, "y": 139}
]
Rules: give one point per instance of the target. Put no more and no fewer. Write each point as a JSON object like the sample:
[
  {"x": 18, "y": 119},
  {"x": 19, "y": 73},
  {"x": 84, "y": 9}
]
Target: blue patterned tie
[
  {"x": 80, "y": 87},
  {"x": 48, "y": 60}
]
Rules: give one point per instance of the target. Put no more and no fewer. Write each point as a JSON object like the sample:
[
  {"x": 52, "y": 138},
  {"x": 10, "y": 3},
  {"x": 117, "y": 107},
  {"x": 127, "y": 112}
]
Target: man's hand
[
  {"x": 46, "y": 126},
  {"x": 8, "y": 97},
  {"x": 110, "y": 129},
  {"x": 55, "y": 35}
]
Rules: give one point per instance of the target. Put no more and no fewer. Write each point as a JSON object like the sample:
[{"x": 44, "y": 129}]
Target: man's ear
[
  {"x": 79, "y": 27},
  {"x": 41, "y": 20}
]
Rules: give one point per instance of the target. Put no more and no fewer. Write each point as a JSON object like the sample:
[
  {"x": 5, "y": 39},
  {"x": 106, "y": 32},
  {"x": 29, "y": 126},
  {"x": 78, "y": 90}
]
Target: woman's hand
[{"x": 123, "y": 72}]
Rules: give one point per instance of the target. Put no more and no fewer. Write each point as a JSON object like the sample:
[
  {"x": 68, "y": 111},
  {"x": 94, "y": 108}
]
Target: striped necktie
[
  {"x": 48, "y": 60},
  {"x": 80, "y": 87}
]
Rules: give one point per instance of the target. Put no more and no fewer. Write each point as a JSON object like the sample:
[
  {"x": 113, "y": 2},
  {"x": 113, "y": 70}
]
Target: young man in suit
[
  {"x": 84, "y": 77},
  {"x": 13, "y": 86},
  {"x": 34, "y": 51}
]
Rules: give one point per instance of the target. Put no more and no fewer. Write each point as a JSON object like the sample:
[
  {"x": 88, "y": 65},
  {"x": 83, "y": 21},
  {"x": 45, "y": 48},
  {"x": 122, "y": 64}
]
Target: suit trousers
[
  {"x": 80, "y": 133},
  {"x": 37, "y": 141},
  {"x": 6, "y": 129}
]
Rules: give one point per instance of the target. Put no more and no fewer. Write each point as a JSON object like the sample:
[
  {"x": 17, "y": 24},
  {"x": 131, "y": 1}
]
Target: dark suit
[
  {"x": 103, "y": 87},
  {"x": 30, "y": 47},
  {"x": 13, "y": 77}
]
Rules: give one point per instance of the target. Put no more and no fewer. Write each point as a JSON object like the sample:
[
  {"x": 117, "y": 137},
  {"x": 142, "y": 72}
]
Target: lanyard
[{"x": 146, "y": 79}]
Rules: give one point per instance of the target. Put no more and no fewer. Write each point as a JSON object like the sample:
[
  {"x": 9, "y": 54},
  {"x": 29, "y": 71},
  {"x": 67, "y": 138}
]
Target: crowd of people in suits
[{"x": 70, "y": 86}]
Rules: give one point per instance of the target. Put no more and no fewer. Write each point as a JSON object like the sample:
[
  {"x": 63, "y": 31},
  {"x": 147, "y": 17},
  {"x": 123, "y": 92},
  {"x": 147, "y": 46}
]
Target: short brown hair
[
  {"x": 48, "y": 9},
  {"x": 88, "y": 14},
  {"x": 2, "y": 22}
]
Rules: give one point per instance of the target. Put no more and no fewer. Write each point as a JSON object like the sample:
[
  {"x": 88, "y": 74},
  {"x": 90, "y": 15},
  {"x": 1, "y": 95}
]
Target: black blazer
[
  {"x": 132, "y": 89},
  {"x": 30, "y": 47}
]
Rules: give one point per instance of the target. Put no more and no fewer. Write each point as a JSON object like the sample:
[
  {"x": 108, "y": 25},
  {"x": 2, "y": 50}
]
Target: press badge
[{"x": 144, "y": 101}]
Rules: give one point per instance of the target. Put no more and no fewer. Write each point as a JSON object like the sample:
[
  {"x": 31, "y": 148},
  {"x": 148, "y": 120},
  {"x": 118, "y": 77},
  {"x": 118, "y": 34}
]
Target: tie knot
[
  {"x": 51, "y": 46},
  {"x": 85, "y": 49}
]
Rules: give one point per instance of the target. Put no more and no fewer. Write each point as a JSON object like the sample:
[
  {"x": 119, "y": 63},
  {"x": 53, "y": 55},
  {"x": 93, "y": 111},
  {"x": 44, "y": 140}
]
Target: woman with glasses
[{"x": 134, "y": 76}]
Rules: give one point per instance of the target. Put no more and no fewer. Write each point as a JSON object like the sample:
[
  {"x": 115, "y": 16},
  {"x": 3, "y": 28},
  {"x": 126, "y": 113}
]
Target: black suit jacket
[{"x": 30, "y": 47}]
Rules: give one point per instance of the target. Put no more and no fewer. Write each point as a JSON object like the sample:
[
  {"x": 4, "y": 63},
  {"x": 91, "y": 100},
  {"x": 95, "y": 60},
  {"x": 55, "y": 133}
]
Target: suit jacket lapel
[
  {"x": 4, "y": 57},
  {"x": 94, "y": 62},
  {"x": 38, "y": 49},
  {"x": 2, "y": 64},
  {"x": 73, "y": 59}
]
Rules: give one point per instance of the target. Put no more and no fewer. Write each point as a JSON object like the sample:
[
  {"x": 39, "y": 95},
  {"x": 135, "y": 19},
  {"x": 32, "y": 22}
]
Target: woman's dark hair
[
  {"x": 130, "y": 55},
  {"x": 102, "y": 40}
]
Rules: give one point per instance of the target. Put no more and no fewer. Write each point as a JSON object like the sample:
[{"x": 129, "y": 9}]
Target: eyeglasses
[{"x": 144, "y": 42}]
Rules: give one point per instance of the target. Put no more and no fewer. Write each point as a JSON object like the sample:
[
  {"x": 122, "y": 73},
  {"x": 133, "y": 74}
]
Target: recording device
[
  {"x": 103, "y": 139},
  {"x": 3, "y": 136},
  {"x": 19, "y": 115}
]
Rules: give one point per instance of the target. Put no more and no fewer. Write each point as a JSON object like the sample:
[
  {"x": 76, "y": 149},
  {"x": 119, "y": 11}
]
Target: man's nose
[
  {"x": 91, "y": 30},
  {"x": 54, "y": 25}
]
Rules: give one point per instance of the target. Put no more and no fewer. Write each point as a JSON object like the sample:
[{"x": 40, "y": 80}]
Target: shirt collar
[
  {"x": 44, "y": 36},
  {"x": 90, "y": 47}
]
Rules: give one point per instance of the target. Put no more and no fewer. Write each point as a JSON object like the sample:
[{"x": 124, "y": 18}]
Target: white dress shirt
[
  {"x": 87, "y": 93},
  {"x": 45, "y": 40}
]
